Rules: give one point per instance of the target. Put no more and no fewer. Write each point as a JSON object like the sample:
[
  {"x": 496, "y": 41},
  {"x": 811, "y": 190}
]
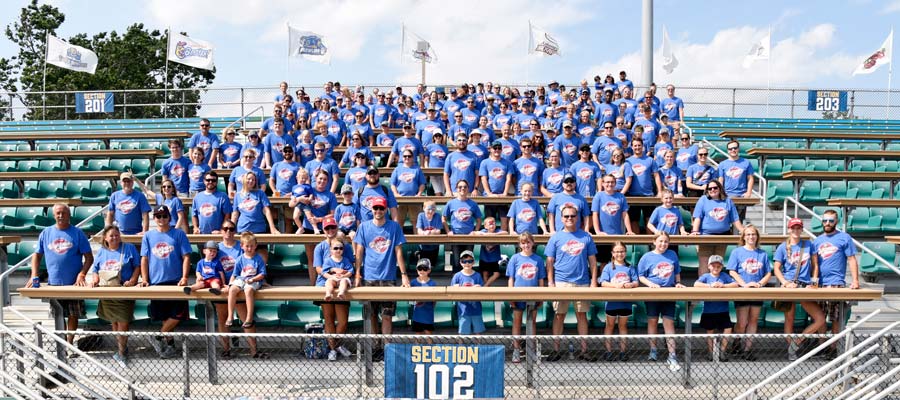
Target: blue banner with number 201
[
  {"x": 94, "y": 102},
  {"x": 443, "y": 371}
]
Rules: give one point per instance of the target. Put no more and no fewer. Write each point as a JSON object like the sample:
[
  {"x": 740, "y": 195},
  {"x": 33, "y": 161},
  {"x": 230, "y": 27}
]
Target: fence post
[
  {"x": 733, "y": 100},
  {"x": 242, "y": 101},
  {"x": 66, "y": 105},
  {"x": 182, "y": 104},
  {"x": 39, "y": 341},
  {"x": 11, "y": 109},
  {"x": 187, "y": 367},
  {"x": 212, "y": 363},
  {"x": 792, "y": 102},
  {"x": 369, "y": 330},
  {"x": 124, "y": 105}
]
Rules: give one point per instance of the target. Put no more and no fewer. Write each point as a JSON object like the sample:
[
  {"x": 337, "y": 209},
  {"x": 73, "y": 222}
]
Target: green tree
[{"x": 132, "y": 60}]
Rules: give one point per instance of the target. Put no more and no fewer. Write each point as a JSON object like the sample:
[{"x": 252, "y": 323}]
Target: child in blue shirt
[
  {"x": 470, "y": 319},
  {"x": 618, "y": 274},
  {"x": 248, "y": 274},
  {"x": 489, "y": 259},
  {"x": 524, "y": 269},
  {"x": 423, "y": 311},
  {"x": 347, "y": 212},
  {"x": 210, "y": 272},
  {"x": 336, "y": 271},
  {"x": 715, "y": 316}
]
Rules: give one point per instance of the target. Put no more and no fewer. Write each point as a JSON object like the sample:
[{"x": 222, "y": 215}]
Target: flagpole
[
  {"x": 287, "y": 58},
  {"x": 528, "y": 52},
  {"x": 166, "y": 77},
  {"x": 890, "y": 75},
  {"x": 44, "y": 85},
  {"x": 768, "y": 71}
]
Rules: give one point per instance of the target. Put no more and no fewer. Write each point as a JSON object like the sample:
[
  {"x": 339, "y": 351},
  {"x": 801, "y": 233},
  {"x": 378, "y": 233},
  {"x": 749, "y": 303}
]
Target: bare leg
[
  {"x": 652, "y": 329},
  {"x": 249, "y": 295},
  {"x": 669, "y": 329},
  {"x": 221, "y": 310},
  {"x": 232, "y": 299},
  {"x": 623, "y": 331}
]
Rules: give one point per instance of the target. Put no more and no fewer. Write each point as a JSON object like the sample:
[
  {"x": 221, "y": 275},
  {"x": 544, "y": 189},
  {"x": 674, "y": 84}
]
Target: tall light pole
[{"x": 647, "y": 43}]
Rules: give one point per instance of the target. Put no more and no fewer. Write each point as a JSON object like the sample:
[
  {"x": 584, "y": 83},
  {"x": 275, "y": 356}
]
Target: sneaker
[
  {"x": 792, "y": 351},
  {"x": 344, "y": 352},
  {"x": 653, "y": 355},
  {"x": 332, "y": 355},
  {"x": 673, "y": 364},
  {"x": 215, "y": 291},
  {"x": 122, "y": 360},
  {"x": 157, "y": 345},
  {"x": 609, "y": 356},
  {"x": 587, "y": 356},
  {"x": 555, "y": 355},
  {"x": 623, "y": 356},
  {"x": 169, "y": 352},
  {"x": 749, "y": 355},
  {"x": 516, "y": 357}
]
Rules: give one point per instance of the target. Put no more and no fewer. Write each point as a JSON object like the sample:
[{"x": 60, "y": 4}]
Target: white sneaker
[
  {"x": 673, "y": 364},
  {"x": 344, "y": 352},
  {"x": 122, "y": 360},
  {"x": 157, "y": 345},
  {"x": 332, "y": 355},
  {"x": 792, "y": 351},
  {"x": 516, "y": 357}
]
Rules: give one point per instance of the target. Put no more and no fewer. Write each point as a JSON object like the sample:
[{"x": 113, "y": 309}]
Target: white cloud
[{"x": 891, "y": 7}]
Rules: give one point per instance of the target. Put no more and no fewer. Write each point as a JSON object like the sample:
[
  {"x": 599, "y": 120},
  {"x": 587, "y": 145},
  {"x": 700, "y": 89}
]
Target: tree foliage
[{"x": 134, "y": 60}]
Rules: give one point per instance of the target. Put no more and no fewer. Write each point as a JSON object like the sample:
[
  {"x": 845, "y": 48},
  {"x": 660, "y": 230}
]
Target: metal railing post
[
  {"x": 792, "y": 102},
  {"x": 187, "y": 368},
  {"x": 733, "y": 101},
  {"x": 125, "y": 105},
  {"x": 242, "y": 101}
]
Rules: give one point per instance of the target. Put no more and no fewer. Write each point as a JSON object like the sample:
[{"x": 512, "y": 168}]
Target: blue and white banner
[
  {"x": 94, "y": 102},
  {"x": 308, "y": 45},
  {"x": 193, "y": 52},
  {"x": 69, "y": 56},
  {"x": 827, "y": 100},
  {"x": 443, "y": 371}
]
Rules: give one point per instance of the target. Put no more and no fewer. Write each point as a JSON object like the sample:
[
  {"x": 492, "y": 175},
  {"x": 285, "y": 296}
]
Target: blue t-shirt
[
  {"x": 237, "y": 177},
  {"x": 586, "y": 175},
  {"x": 250, "y": 205},
  {"x": 422, "y": 222},
  {"x": 411, "y": 144},
  {"x": 166, "y": 252},
  {"x": 702, "y": 174},
  {"x": 329, "y": 264},
  {"x": 642, "y": 170},
  {"x": 530, "y": 170},
  {"x": 461, "y": 215},
  {"x": 615, "y": 273},
  {"x": 125, "y": 260},
  {"x": 660, "y": 269},
  {"x": 559, "y": 200},
  {"x": 552, "y": 179},
  {"x": 228, "y": 256},
  {"x": 467, "y": 308},
  {"x": 230, "y": 152},
  {"x": 211, "y": 209},
  {"x": 259, "y": 153},
  {"x": 716, "y": 216},
  {"x": 210, "y": 269},
  {"x": 833, "y": 251},
  {"x": 671, "y": 106},
  {"x": 322, "y": 252},
  {"x": 347, "y": 216},
  {"x": 62, "y": 250},
  {"x": 603, "y": 147},
  {"x": 322, "y": 204},
  {"x": 369, "y": 194},
  {"x": 798, "y": 258},
  {"x": 617, "y": 171},
  {"x": 710, "y": 307},
  {"x": 175, "y": 207},
  {"x": 177, "y": 171},
  {"x": 570, "y": 252},
  {"x": 686, "y": 157},
  {"x": 437, "y": 155},
  {"x": 285, "y": 174},
  {"x": 526, "y": 215},
  {"x": 356, "y": 178},
  {"x": 330, "y": 166},
  {"x": 489, "y": 252},
  {"x": 752, "y": 265},
  {"x": 423, "y": 311},
  {"x": 526, "y": 271},
  {"x": 568, "y": 149},
  {"x": 380, "y": 262},
  {"x": 274, "y": 144},
  {"x": 248, "y": 267},
  {"x": 610, "y": 209},
  {"x": 666, "y": 220},
  {"x": 459, "y": 166},
  {"x": 196, "y": 172},
  {"x": 496, "y": 172},
  {"x": 207, "y": 143},
  {"x": 671, "y": 178},
  {"x": 129, "y": 210},
  {"x": 735, "y": 176},
  {"x": 407, "y": 180}
]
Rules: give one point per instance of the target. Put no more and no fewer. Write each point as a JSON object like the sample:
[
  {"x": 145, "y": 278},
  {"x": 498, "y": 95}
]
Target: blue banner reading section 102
[
  {"x": 443, "y": 371},
  {"x": 94, "y": 102}
]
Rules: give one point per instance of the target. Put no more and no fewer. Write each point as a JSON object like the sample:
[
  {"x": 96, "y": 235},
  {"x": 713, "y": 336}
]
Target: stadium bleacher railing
[{"x": 702, "y": 101}]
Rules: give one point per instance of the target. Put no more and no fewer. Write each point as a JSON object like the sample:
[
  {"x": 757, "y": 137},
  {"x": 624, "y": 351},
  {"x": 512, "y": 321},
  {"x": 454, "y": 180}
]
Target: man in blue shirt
[
  {"x": 64, "y": 247},
  {"x": 644, "y": 179},
  {"x": 672, "y": 106},
  {"x": 206, "y": 141},
  {"x": 267, "y": 125},
  {"x": 736, "y": 175},
  {"x": 624, "y": 82},
  {"x": 460, "y": 165},
  {"x": 836, "y": 253},
  {"x": 210, "y": 207},
  {"x": 128, "y": 209}
]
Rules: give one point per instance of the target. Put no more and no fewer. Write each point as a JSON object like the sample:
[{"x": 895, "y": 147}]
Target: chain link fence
[
  {"x": 550, "y": 367},
  {"x": 709, "y": 101}
]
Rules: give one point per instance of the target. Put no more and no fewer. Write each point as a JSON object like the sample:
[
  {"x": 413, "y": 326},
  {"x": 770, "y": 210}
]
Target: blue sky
[{"x": 815, "y": 44}]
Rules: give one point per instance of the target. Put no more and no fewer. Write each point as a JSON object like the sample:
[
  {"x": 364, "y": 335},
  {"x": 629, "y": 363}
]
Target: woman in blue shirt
[
  {"x": 749, "y": 266},
  {"x": 252, "y": 209},
  {"x": 122, "y": 258},
  {"x": 796, "y": 266},
  {"x": 615, "y": 168},
  {"x": 714, "y": 214}
]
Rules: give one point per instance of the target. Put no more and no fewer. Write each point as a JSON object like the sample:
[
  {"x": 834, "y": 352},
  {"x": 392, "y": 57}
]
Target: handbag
[
  {"x": 785, "y": 306},
  {"x": 112, "y": 278}
]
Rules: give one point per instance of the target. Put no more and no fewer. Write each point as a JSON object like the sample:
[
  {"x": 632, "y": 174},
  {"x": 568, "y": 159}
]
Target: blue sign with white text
[
  {"x": 443, "y": 371},
  {"x": 827, "y": 100},
  {"x": 94, "y": 102}
]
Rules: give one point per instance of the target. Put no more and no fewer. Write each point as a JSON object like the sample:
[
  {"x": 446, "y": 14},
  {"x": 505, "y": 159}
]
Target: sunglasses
[
  {"x": 710, "y": 189},
  {"x": 422, "y": 269},
  {"x": 732, "y": 148},
  {"x": 204, "y": 125},
  {"x": 378, "y": 208},
  {"x": 167, "y": 186},
  {"x": 249, "y": 157},
  {"x": 828, "y": 220},
  {"x": 526, "y": 146},
  {"x": 702, "y": 154},
  {"x": 685, "y": 138},
  {"x": 407, "y": 156},
  {"x": 228, "y": 228},
  {"x": 161, "y": 216},
  {"x": 569, "y": 216},
  {"x": 467, "y": 261},
  {"x": 330, "y": 227},
  {"x": 338, "y": 248},
  {"x": 319, "y": 150}
]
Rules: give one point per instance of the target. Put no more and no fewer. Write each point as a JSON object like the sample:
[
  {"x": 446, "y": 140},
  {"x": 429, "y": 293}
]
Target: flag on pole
[
  {"x": 759, "y": 51},
  {"x": 69, "y": 56},
  {"x": 541, "y": 42},
  {"x": 669, "y": 60},
  {"x": 308, "y": 45},
  {"x": 878, "y": 58},
  {"x": 414, "y": 48},
  {"x": 193, "y": 52}
]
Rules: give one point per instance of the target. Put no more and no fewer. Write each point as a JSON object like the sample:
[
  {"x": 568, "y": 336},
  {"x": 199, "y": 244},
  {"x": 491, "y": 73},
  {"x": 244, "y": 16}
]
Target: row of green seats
[{"x": 32, "y": 219}]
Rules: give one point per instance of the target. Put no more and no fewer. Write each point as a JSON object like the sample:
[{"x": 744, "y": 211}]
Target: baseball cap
[
  {"x": 715, "y": 259},
  {"x": 334, "y": 109},
  {"x": 553, "y": 83},
  {"x": 795, "y": 222},
  {"x": 384, "y": 123},
  {"x": 407, "y": 124},
  {"x": 287, "y": 149},
  {"x": 430, "y": 109},
  {"x": 210, "y": 244},
  {"x": 567, "y": 124},
  {"x": 359, "y": 154},
  {"x": 437, "y": 132},
  {"x": 161, "y": 211},
  {"x": 372, "y": 168},
  {"x": 252, "y": 134},
  {"x": 346, "y": 189},
  {"x": 424, "y": 264},
  {"x": 379, "y": 201},
  {"x": 496, "y": 143},
  {"x": 467, "y": 253},
  {"x": 568, "y": 177},
  {"x": 328, "y": 222},
  {"x": 126, "y": 175},
  {"x": 476, "y": 132},
  {"x": 585, "y": 91}
]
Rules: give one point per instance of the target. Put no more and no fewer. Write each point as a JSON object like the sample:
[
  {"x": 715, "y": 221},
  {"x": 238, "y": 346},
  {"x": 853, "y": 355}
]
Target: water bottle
[
  {"x": 35, "y": 282},
  {"x": 571, "y": 351}
]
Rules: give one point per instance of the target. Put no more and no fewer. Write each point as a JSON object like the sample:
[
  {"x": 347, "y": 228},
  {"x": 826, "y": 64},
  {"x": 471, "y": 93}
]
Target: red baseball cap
[
  {"x": 329, "y": 222},
  {"x": 379, "y": 201},
  {"x": 795, "y": 222}
]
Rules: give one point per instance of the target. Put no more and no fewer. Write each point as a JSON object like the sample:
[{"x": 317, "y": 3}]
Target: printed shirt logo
[
  {"x": 639, "y": 169},
  {"x": 439, "y": 154},
  {"x": 248, "y": 270},
  {"x": 586, "y": 131},
  {"x": 387, "y": 141},
  {"x": 573, "y": 247},
  {"x": 683, "y": 157},
  {"x": 177, "y": 170},
  {"x": 231, "y": 151},
  {"x": 796, "y": 260},
  {"x": 585, "y": 173},
  {"x": 718, "y": 214},
  {"x": 528, "y": 169},
  {"x": 734, "y": 172},
  {"x": 162, "y": 250},
  {"x": 408, "y": 146},
  {"x": 319, "y": 202},
  {"x": 669, "y": 220},
  {"x": 569, "y": 148},
  {"x": 380, "y": 244},
  {"x": 285, "y": 174},
  {"x": 248, "y": 204},
  {"x": 701, "y": 176},
  {"x": 497, "y": 173},
  {"x": 527, "y": 271},
  {"x": 670, "y": 180},
  {"x": 663, "y": 270},
  {"x": 507, "y": 150},
  {"x": 207, "y": 270},
  {"x": 463, "y": 214},
  {"x": 195, "y": 173},
  {"x": 621, "y": 277},
  {"x": 610, "y": 208},
  {"x": 126, "y": 205},
  {"x": 827, "y": 249},
  {"x": 61, "y": 246},
  {"x": 207, "y": 209},
  {"x": 751, "y": 265},
  {"x": 111, "y": 265},
  {"x": 462, "y": 164},
  {"x": 526, "y": 215},
  {"x": 407, "y": 177},
  {"x": 227, "y": 263},
  {"x": 611, "y": 147},
  {"x": 555, "y": 178},
  {"x": 347, "y": 219},
  {"x": 358, "y": 176}
]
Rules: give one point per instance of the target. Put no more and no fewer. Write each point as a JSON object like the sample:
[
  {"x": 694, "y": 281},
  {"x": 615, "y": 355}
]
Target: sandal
[
  {"x": 229, "y": 322},
  {"x": 261, "y": 355},
  {"x": 226, "y": 354},
  {"x": 248, "y": 324}
]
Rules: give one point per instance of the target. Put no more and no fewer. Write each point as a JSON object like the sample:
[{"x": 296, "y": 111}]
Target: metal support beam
[{"x": 647, "y": 43}]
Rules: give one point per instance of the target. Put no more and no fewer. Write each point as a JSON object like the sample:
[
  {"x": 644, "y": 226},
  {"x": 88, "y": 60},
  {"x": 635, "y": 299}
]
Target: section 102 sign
[
  {"x": 93, "y": 102},
  {"x": 443, "y": 371},
  {"x": 827, "y": 100}
]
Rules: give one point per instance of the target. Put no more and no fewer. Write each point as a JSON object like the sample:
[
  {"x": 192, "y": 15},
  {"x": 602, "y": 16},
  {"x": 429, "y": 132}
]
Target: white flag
[
  {"x": 878, "y": 58},
  {"x": 308, "y": 45},
  {"x": 540, "y": 42},
  {"x": 414, "y": 48},
  {"x": 192, "y": 52},
  {"x": 669, "y": 60},
  {"x": 759, "y": 51},
  {"x": 69, "y": 56}
]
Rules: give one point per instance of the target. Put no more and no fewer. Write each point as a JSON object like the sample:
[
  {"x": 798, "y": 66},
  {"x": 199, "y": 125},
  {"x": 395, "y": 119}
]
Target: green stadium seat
[
  {"x": 868, "y": 265},
  {"x": 23, "y": 250},
  {"x": 90, "y": 146},
  {"x": 8, "y": 166},
  {"x": 141, "y": 313},
  {"x": 895, "y": 145},
  {"x": 99, "y": 191},
  {"x": 73, "y": 189},
  {"x": 834, "y": 189},
  {"x": 837, "y": 165},
  {"x": 886, "y": 165},
  {"x": 774, "y": 319},
  {"x": 860, "y": 220},
  {"x": 688, "y": 258},
  {"x": 638, "y": 316},
  {"x": 51, "y": 165},
  {"x": 7, "y": 147},
  {"x": 150, "y": 145},
  {"x": 355, "y": 317},
  {"x": 28, "y": 166},
  {"x": 287, "y": 257},
  {"x": 863, "y": 189},
  {"x": 299, "y": 313},
  {"x": 754, "y": 162},
  {"x": 26, "y": 219},
  {"x": 772, "y": 169},
  {"x": 681, "y": 314},
  {"x": 45, "y": 190},
  {"x": 120, "y": 164},
  {"x": 597, "y": 316},
  {"x": 506, "y": 314},
  {"x": 793, "y": 164},
  {"x": 129, "y": 145},
  {"x": 23, "y": 147},
  {"x": 444, "y": 314},
  {"x": 402, "y": 315},
  {"x": 862, "y": 165},
  {"x": 777, "y": 191},
  {"x": 47, "y": 146},
  {"x": 157, "y": 165},
  {"x": 489, "y": 314},
  {"x": 68, "y": 146},
  {"x": 636, "y": 251},
  {"x": 880, "y": 190},
  {"x": 825, "y": 146},
  {"x": 817, "y": 165},
  {"x": 848, "y": 146},
  {"x": 91, "y": 318},
  {"x": 97, "y": 164},
  {"x": 82, "y": 212},
  {"x": 9, "y": 190},
  {"x": 869, "y": 146},
  {"x": 811, "y": 192},
  {"x": 141, "y": 168},
  {"x": 266, "y": 313}
]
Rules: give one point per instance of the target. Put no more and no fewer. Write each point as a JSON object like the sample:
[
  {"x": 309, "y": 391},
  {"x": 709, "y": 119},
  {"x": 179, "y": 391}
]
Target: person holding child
[{"x": 335, "y": 272}]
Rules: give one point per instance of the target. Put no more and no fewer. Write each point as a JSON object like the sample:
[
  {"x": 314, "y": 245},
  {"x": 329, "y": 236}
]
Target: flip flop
[
  {"x": 226, "y": 355},
  {"x": 261, "y": 355},
  {"x": 248, "y": 324}
]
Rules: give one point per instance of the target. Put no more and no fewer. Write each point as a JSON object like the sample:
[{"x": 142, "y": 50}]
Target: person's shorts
[
  {"x": 657, "y": 308},
  {"x": 162, "y": 310},
  {"x": 634, "y": 213},
  {"x": 207, "y": 283},
  {"x": 739, "y": 304},
  {"x": 420, "y": 327},
  {"x": 832, "y": 309},
  {"x": 437, "y": 184},
  {"x": 382, "y": 308},
  {"x": 241, "y": 284},
  {"x": 716, "y": 321},
  {"x": 562, "y": 306},
  {"x": 522, "y": 305},
  {"x": 619, "y": 312},
  {"x": 471, "y": 324},
  {"x": 489, "y": 266},
  {"x": 73, "y": 307}
]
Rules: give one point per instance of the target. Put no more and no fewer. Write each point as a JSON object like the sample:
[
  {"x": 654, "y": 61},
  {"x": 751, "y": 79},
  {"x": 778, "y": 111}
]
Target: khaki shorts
[{"x": 562, "y": 307}]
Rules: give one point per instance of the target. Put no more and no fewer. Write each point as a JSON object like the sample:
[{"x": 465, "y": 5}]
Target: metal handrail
[
  {"x": 834, "y": 371},
  {"x": 763, "y": 184},
  {"x": 874, "y": 384},
  {"x": 845, "y": 378},
  {"x": 244, "y": 117},
  {"x": 798, "y": 206},
  {"x": 789, "y": 367}
]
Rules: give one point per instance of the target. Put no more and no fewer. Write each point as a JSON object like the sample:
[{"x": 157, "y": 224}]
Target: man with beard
[
  {"x": 210, "y": 207},
  {"x": 836, "y": 253}
]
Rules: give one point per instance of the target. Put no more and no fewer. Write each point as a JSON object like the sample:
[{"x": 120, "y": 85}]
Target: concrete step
[
  {"x": 889, "y": 305},
  {"x": 33, "y": 309}
]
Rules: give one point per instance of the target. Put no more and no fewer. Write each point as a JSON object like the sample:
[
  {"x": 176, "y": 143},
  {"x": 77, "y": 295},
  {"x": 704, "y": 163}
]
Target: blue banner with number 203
[
  {"x": 827, "y": 100},
  {"x": 443, "y": 371}
]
